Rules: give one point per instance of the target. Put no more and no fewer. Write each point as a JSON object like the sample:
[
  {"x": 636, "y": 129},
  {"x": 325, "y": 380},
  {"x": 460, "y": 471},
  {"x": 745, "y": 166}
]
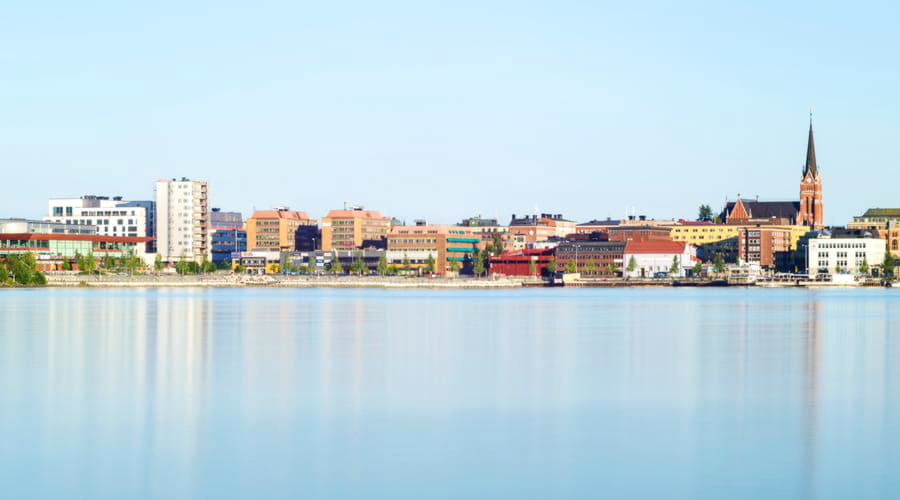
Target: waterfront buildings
[
  {"x": 414, "y": 246},
  {"x": 643, "y": 232},
  {"x": 183, "y": 224},
  {"x": 534, "y": 228},
  {"x": 276, "y": 229},
  {"x": 56, "y": 245},
  {"x": 645, "y": 258},
  {"x": 701, "y": 233},
  {"x": 225, "y": 242},
  {"x": 843, "y": 252},
  {"x": 882, "y": 221},
  {"x": 591, "y": 258},
  {"x": 768, "y": 246},
  {"x": 528, "y": 262},
  {"x": 354, "y": 228},
  {"x": 112, "y": 216}
]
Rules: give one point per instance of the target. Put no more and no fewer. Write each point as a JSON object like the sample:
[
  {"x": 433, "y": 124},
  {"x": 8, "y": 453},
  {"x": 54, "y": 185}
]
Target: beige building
[
  {"x": 353, "y": 228},
  {"x": 276, "y": 229},
  {"x": 882, "y": 221}
]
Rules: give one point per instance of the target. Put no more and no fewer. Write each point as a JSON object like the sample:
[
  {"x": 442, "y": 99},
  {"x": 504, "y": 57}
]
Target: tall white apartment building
[
  {"x": 113, "y": 216},
  {"x": 182, "y": 228}
]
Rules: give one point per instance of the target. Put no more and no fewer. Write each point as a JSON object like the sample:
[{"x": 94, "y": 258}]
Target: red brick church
[{"x": 806, "y": 212}]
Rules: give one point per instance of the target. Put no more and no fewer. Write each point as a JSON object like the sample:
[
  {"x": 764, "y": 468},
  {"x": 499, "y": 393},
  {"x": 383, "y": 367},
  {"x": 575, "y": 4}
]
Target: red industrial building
[{"x": 521, "y": 262}]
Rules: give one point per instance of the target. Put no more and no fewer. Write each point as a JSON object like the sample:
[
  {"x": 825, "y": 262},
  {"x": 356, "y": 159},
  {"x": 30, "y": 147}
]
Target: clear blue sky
[{"x": 446, "y": 110}]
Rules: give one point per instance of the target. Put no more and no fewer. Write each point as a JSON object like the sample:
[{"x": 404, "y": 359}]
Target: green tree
[
  {"x": 311, "y": 264},
  {"x": 532, "y": 268},
  {"x": 705, "y": 213},
  {"x": 407, "y": 266},
  {"x": 673, "y": 270},
  {"x": 570, "y": 267},
  {"x": 478, "y": 265},
  {"x": 496, "y": 245},
  {"x": 632, "y": 264},
  {"x": 209, "y": 267},
  {"x": 382, "y": 264},
  {"x": 181, "y": 266},
  {"x": 590, "y": 268},
  {"x": 430, "y": 264},
  {"x": 611, "y": 269},
  {"x": 454, "y": 266},
  {"x": 719, "y": 264},
  {"x": 887, "y": 267},
  {"x": 698, "y": 269},
  {"x": 392, "y": 270},
  {"x": 336, "y": 266},
  {"x": 158, "y": 263},
  {"x": 358, "y": 266},
  {"x": 551, "y": 265},
  {"x": 864, "y": 267},
  {"x": 66, "y": 264}
]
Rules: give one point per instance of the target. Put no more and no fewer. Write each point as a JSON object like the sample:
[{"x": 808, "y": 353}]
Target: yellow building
[
  {"x": 354, "y": 228},
  {"x": 275, "y": 230},
  {"x": 700, "y": 234}
]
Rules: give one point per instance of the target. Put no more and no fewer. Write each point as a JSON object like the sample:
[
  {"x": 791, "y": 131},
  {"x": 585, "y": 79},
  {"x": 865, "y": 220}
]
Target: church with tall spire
[
  {"x": 806, "y": 212},
  {"x": 811, "y": 188}
]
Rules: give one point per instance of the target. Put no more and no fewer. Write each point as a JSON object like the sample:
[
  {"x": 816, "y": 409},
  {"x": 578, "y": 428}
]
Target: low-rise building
[
  {"x": 591, "y": 258},
  {"x": 225, "y": 242},
  {"x": 843, "y": 252},
  {"x": 113, "y": 216},
  {"x": 528, "y": 262},
  {"x": 413, "y": 246},
  {"x": 56, "y": 246},
  {"x": 646, "y": 258}
]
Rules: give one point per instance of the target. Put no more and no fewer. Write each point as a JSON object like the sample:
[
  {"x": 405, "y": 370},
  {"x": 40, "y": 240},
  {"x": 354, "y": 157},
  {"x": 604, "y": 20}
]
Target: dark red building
[{"x": 531, "y": 262}]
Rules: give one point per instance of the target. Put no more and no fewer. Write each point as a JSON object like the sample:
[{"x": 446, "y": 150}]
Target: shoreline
[{"x": 383, "y": 282}]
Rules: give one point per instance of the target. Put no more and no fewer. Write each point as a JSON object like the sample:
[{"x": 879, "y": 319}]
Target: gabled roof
[
  {"x": 654, "y": 247},
  {"x": 766, "y": 209}
]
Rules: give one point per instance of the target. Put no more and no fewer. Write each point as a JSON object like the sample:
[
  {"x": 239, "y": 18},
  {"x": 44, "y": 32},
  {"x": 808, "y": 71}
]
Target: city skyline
[{"x": 443, "y": 112}]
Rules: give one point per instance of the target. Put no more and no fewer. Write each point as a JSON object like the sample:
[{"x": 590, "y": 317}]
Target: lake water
[{"x": 541, "y": 393}]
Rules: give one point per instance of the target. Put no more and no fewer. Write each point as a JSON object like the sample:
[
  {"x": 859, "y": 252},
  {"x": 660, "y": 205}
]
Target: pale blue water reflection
[{"x": 449, "y": 394}]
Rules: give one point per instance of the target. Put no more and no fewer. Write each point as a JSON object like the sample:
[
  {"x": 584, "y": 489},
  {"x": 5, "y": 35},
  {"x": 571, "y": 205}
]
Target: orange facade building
[
  {"x": 354, "y": 228},
  {"x": 276, "y": 229}
]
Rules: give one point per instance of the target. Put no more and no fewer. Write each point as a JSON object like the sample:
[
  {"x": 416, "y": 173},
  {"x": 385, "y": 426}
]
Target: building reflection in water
[{"x": 186, "y": 393}]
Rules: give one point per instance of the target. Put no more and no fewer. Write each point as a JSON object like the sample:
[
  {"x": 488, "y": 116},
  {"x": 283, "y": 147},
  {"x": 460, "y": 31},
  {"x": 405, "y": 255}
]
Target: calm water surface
[{"x": 449, "y": 394}]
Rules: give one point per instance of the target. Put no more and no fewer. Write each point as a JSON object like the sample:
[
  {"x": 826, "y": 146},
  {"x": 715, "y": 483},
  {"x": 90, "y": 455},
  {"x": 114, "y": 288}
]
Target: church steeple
[
  {"x": 811, "y": 168},
  {"x": 810, "y": 213}
]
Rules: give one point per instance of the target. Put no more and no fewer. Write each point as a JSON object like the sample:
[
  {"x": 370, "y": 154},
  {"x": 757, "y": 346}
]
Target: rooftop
[{"x": 655, "y": 247}]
